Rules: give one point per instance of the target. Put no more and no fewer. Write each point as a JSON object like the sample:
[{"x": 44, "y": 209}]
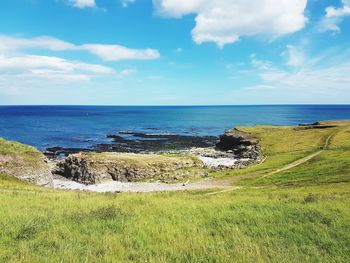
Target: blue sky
[{"x": 174, "y": 52}]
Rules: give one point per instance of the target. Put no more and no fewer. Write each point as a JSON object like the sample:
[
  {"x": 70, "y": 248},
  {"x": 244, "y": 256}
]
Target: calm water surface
[{"x": 84, "y": 126}]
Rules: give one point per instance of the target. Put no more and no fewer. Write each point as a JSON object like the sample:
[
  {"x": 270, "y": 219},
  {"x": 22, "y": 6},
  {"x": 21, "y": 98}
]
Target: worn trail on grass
[
  {"x": 289, "y": 166},
  {"x": 305, "y": 159}
]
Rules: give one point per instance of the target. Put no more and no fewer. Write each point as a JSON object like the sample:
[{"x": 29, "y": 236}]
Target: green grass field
[{"x": 298, "y": 215}]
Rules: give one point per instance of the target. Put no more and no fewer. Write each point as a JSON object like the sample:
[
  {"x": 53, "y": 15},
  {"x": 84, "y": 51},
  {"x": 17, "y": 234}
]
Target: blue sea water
[{"x": 84, "y": 126}]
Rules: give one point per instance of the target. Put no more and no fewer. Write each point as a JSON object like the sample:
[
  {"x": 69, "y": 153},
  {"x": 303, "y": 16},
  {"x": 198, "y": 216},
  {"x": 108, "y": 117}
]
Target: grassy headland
[
  {"x": 297, "y": 215},
  {"x": 28, "y": 153}
]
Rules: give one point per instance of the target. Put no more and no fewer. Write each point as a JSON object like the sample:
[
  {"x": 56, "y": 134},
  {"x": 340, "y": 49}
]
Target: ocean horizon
[{"x": 83, "y": 126}]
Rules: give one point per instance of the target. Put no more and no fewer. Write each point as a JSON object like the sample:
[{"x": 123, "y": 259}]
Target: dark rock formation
[
  {"x": 76, "y": 169},
  {"x": 310, "y": 124},
  {"x": 118, "y": 139},
  {"x": 315, "y": 125},
  {"x": 54, "y": 152},
  {"x": 140, "y": 143},
  {"x": 241, "y": 144}
]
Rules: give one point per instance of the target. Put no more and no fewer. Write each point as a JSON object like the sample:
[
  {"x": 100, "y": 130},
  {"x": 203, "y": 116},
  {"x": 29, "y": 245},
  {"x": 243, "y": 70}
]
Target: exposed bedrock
[
  {"x": 25, "y": 163},
  {"x": 241, "y": 144},
  {"x": 39, "y": 173},
  {"x": 140, "y": 143},
  {"x": 235, "y": 149},
  {"x": 124, "y": 167}
]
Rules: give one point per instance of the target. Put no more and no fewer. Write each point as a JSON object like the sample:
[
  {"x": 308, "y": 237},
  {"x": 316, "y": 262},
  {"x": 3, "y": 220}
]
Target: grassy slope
[
  {"x": 7, "y": 147},
  {"x": 300, "y": 215},
  {"x": 282, "y": 145},
  {"x": 332, "y": 166},
  {"x": 28, "y": 154}
]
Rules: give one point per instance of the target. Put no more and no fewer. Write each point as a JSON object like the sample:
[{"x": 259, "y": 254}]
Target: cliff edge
[{"x": 24, "y": 162}]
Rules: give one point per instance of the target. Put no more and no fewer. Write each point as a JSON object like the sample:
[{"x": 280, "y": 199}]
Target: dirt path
[
  {"x": 115, "y": 186},
  {"x": 224, "y": 184},
  {"x": 305, "y": 159},
  {"x": 289, "y": 166}
]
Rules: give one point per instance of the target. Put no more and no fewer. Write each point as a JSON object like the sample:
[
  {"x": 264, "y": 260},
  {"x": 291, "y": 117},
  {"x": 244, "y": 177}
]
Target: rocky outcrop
[
  {"x": 137, "y": 142},
  {"x": 241, "y": 144},
  {"x": 25, "y": 163},
  {"x": 315, "y": 125},
  {"x": 236, "y": 149},
  {"x": 124, "y": 167}
]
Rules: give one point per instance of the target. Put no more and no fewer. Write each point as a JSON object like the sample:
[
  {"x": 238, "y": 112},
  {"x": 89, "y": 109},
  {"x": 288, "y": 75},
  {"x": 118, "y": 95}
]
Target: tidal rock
[
  {"x": 315, "y": 125},
  {"x": 139, "y": 143}
]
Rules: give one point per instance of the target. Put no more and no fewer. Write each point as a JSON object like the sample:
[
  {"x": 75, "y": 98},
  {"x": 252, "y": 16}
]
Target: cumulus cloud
[
  {"x": 116, "y": 52},
  {"x": 16, "y": 64},
  {"x": 105, "y": 52},
  {"x": 9, "y": 43},
  {"x": 334, "y": 16},
  {"x": 225, "y": 21},
  {"x": 50, "y": 67},
  {"x": 82, "y": 3}
]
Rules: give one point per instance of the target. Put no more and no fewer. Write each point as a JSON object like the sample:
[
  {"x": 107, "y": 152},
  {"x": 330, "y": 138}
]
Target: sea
[{"x": 85, "y": 126}]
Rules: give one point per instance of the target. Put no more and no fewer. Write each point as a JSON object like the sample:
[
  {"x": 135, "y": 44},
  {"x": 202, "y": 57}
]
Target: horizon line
[{"x": 175, "y": 105}]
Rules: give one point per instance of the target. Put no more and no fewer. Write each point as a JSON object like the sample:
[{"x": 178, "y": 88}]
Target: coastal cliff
[
  {"x": 235, "y": 149},
  {"x": 241, "y": 144},
  {"x": 25, "y": 163},
  {"x": 92, "y": 168}
]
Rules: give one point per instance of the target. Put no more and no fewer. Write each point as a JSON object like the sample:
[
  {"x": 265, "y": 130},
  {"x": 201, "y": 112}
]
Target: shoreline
[
  {"x": 134, "y": 187},
  {"x": 122, "y": 171},
  {"x": 166, "y": 170}
]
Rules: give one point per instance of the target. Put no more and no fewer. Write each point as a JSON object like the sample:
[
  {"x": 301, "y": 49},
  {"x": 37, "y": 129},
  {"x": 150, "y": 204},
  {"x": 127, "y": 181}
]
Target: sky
[{"x": 174, "y": 52}]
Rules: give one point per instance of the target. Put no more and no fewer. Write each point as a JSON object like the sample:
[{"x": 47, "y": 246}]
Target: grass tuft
[
  {"x": 106, "y": 213},
  {"x": 310, "y": 198}
]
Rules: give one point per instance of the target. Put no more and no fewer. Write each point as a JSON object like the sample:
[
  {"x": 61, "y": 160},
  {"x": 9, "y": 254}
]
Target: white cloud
[
  {"x": 307, "y": 83},
  {"x": 126, "y": 3},
  {"x": 334, "y": 16},
  {"x": 105, "y": 52},
  {"x": 82, "y": 3},
  {"x": 225, "y": 21},
  {"x": 305, "y": 79},
  {"x": 116, "y": 52},
  {"x": 50, "y": 67},
  {"x": 20, "y": 70},
  {"x": 9, "y": 43}
]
